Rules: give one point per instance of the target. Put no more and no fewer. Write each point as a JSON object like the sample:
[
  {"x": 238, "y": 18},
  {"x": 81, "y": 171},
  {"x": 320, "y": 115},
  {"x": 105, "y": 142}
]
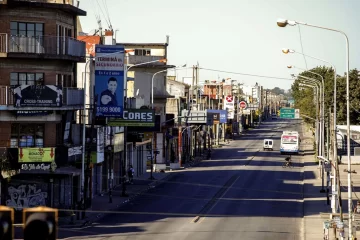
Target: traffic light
[
  {"x": 6, "y": 223},
  {"x": 40, "y": 223}
]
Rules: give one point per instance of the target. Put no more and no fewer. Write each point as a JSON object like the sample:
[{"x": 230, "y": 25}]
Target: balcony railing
[
  {"x": 3, "y": 43},
  {"x": 71, "y": 97},
  {"x": 135, "y": 59},
  {"x": 44, "y": 45},
  {"x": 70, "y": 2}
]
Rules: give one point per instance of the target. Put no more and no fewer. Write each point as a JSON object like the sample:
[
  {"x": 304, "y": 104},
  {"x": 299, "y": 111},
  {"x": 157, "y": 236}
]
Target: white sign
[
  {"x": 246, "y": 112},
  {"x": 229, "y": 106},
  {"x": 118, "y": 142},
  {"x": 297, "y": 113},
  {"x": 100, "y": 144},
  {"x": 75, "y": 151},
  {"x": 31, "y": 166}
]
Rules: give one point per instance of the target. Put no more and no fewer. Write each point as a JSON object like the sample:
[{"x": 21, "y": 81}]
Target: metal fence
[{"x": 52, "y": 45}]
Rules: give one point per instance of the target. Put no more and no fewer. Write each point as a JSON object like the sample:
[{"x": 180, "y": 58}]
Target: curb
[{"x": 99, "y": 216}]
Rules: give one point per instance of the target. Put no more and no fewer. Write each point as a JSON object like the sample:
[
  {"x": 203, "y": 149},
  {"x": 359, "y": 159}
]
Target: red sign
[
  {"x": 229, "y": 98},
  {"x": 242, "y": 104}
]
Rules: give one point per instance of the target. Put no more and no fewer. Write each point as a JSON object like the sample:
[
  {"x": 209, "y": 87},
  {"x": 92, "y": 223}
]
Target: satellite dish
[{"x": 137, "y": 93}]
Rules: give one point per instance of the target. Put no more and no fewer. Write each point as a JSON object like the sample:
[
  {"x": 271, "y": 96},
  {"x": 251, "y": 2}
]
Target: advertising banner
[
  {"x": 109, "y": 80},
  {"x": 32, "y": 155},
  {"x": 135, "y": 117},
  {"x": 222, "y": 113},
  {"x": 37, "y": 96}
]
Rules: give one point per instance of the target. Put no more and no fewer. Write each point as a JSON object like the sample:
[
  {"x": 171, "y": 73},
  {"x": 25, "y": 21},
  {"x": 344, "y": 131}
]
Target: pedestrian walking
[{"x": 131, "y": 174}]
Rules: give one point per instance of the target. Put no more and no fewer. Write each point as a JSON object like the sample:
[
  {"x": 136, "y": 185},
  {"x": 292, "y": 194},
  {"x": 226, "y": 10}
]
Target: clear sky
[{"x": 236, "y": 35}]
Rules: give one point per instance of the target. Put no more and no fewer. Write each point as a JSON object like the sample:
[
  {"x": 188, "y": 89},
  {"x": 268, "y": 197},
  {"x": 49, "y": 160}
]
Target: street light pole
[
  {"x": 283, "y": 23},
  {"x": 321, "y": 94},
  {"x": 322, "y": 119},
  {"x": 335, "y": 93},
  {"x": 152, "y": 107}
]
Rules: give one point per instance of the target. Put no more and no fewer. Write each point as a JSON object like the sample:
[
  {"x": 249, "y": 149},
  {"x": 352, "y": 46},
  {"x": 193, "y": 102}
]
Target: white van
[{"x": 268, "y": 144}]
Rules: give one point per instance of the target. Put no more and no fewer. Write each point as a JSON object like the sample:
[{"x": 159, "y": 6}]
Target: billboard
[
  {"x": 109, "y": 80},
  {"x": 37, "y": 95},
  {"x": 31, "y": 155},
  {"x": 222, "y": 113},
  {"x": 134, "y": 118}
]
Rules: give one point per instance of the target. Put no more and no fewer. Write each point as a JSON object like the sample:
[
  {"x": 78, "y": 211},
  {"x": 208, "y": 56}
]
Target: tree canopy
[{"x": 304, "y": 97}]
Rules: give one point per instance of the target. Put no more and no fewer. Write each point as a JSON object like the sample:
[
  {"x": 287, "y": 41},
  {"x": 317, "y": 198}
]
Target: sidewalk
[
  {"x": 314, "y": 201},
  {"x": 101, "y": 205}
]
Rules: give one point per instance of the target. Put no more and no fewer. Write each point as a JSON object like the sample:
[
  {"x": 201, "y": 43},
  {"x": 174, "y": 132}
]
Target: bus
[{"x": 290, "y": 142}]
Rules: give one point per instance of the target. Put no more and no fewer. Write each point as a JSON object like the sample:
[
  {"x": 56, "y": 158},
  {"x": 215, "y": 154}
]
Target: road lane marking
[{"x": 222, "y": 195}]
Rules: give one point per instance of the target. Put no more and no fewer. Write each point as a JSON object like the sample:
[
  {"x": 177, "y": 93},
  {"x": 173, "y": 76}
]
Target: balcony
[
  {"x": 44, "y": 47},
  {"x": 135, "y": 59},
  {"x": 69, "y": 6},
  {"x": 51, "y": 98}
]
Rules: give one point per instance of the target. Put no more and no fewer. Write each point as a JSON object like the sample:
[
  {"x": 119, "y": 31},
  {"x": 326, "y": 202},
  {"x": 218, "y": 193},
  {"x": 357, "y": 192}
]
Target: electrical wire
[
  {"x": 97, "y": 1},
  {"x": 245, "y": 74},
  {"x": 107, "y": 13},
  {"x": 302, "y": 49}
]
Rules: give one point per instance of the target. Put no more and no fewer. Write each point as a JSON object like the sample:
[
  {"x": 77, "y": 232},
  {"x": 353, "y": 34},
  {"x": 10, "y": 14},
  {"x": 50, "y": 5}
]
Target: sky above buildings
[{"x": 235, "y": 35}]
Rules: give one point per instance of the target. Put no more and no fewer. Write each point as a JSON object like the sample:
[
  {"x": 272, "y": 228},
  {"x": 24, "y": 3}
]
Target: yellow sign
[
  {"x": 148, "y": 135},
  {"x": 31, "y": 155}
]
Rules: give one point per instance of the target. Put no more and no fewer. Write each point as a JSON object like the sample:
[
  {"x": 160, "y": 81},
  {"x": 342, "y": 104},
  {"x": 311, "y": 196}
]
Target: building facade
[
  {"x": 147, "y": 84},
  {"x": 38, "y": 97}
]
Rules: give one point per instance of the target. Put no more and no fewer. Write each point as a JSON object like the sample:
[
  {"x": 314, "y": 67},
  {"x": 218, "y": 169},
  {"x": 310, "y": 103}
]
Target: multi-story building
[
  {"x": 147, "y": 84},
  {"x": 38, "y": 96},
  {"x": 180, "y": 93}
]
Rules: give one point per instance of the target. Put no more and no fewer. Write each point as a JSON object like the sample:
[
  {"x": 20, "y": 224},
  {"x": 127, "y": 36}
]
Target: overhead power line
[{"x": 246, "y": 74}]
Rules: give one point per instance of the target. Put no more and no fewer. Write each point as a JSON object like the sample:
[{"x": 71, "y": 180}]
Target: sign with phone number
[{"x": 109, "y": 110}]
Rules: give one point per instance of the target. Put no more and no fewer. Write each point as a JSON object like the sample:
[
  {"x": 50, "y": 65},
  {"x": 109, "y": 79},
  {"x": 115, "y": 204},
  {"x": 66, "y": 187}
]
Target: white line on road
[{"x": 222, "y": 195}]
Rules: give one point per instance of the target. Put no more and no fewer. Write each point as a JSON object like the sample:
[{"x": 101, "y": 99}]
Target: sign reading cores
[{"x": 135, "y": 118}]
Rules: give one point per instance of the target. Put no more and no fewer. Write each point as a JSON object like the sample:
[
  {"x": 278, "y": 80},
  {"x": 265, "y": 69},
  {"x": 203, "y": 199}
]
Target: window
[
  {"x": 24, "y": 29},
  {"x": 63, "y": 80},
  {"x": 27, "y": 135},
  {"x": 17, "y": 78},
  {"x": 143, "y": 52}
]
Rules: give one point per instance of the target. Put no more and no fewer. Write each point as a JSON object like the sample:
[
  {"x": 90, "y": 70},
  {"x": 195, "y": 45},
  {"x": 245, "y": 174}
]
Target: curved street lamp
[
  {"x": 284, "y": 23},
  {"x": 322, "y": 113}
]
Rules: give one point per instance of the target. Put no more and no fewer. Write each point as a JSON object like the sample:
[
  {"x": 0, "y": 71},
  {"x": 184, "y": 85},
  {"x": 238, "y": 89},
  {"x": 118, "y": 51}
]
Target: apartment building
[
  {"x": 38, "y": 97},
  {"x": 147, "y": 85}
]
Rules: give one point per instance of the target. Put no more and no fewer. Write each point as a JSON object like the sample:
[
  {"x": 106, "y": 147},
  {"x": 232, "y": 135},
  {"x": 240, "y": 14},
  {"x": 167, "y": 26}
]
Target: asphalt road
[{"x": 241, "y": 193}]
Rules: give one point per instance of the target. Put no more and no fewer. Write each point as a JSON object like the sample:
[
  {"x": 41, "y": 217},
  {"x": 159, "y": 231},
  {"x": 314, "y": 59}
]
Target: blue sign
[
  {"x": 222, "y": 113},
  {"x": 109, "y": 80}
]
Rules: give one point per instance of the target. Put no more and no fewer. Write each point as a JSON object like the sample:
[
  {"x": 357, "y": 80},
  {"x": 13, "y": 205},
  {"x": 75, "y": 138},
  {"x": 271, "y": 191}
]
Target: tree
[{"x": 304, "y": 98}]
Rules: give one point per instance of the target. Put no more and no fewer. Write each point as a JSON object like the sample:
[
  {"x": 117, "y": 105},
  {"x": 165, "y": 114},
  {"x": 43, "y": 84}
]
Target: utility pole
[
  {"x": 110, "y": 161},
  {"x": 192, "y": 87},
  {"x": 88, "y": 157},
  {"x": 197, "y": 84}
]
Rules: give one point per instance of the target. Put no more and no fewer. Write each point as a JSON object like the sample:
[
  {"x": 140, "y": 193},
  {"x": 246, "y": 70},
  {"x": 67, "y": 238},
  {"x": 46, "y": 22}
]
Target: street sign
[
  {"x": 229, "y": 99},
  {"x": 242, "y": 104},
  {"x": 287, "y": 113}
]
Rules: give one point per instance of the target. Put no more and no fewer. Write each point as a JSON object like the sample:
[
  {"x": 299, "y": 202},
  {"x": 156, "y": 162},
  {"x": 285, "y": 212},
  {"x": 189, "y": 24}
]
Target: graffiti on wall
[{"x": 25, "y": 196}]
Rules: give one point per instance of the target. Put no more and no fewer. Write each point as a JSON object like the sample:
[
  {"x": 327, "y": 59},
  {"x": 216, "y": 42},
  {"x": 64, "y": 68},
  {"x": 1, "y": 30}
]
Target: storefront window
[{"x": 27, "y": 135}]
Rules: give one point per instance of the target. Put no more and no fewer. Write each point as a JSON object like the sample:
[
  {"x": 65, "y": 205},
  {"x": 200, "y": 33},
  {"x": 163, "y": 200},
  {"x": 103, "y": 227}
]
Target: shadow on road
[{"x": 222, "y": 186}]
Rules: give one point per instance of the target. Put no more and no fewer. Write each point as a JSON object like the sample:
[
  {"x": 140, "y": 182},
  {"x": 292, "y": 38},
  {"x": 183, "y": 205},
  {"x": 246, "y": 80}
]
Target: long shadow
[
  {"x": 213, "y": 190},
  {"x": 185, "y": 197}
]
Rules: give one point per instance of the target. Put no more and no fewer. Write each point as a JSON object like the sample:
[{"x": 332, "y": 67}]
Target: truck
[{"x": 290, "y": 142}]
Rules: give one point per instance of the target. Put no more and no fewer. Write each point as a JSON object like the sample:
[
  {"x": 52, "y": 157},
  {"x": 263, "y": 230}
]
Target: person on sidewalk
[{"x": 131, "y": 174}]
